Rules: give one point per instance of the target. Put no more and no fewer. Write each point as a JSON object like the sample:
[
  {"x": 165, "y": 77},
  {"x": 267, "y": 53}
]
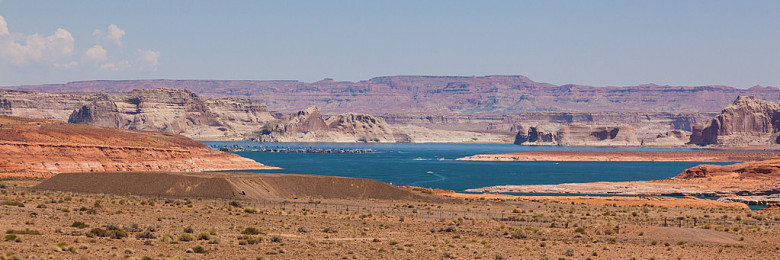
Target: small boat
[{"x": 430, "y": 172}]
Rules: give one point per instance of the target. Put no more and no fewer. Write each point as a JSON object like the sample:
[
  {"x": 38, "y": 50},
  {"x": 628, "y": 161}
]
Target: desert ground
[{"x": 71, "y": 225}]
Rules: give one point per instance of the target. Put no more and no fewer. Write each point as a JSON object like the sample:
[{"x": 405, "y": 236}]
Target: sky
[{"x": 599, "y": 43}]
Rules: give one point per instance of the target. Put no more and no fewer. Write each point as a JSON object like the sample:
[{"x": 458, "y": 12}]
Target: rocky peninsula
[
  {"x": 628, "y": 156},
  {"x": 43, "y": 148}
]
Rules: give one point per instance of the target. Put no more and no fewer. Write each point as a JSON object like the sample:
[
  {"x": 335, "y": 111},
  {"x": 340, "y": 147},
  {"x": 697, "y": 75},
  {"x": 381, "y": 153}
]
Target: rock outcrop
[
  {"x": 43, "y": 148},
  {"x": 308, "y": 125},
  {"x": 670, "y": 138},
  {"x": 581, "y": 135},
  {"x": 535, "y": 136},
  {"x": 747, "y": 121},
  {"x": 173, "y": 111},
  {"x": 756, "y": 169}
]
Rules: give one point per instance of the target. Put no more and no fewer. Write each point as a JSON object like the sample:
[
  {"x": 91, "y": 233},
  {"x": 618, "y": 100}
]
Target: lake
[{"x": 433, "y": 165}]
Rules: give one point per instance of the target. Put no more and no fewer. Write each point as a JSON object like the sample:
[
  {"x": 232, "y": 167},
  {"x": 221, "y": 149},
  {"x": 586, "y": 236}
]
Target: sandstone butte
[{"x": 44, "y": 148}]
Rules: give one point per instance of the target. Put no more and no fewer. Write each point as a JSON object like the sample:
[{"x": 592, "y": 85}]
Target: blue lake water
[{"x": 432, "y": 165}]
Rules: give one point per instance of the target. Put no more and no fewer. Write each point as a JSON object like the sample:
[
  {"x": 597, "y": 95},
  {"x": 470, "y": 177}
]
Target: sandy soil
[
  {"x": 660, "y": 156},
  {"x": 46, "y": 225}
]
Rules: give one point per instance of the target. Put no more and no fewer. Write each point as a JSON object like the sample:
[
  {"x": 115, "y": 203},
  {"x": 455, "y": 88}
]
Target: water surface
[{"x": 433, "y": 165}]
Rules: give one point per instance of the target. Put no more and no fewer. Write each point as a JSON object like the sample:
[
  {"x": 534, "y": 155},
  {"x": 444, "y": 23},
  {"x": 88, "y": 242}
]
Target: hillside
[{"x": 43, "y": 148}]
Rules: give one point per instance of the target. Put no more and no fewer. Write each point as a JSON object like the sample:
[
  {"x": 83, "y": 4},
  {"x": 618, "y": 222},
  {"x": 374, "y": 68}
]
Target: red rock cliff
[{"x": 43, "y": 148}]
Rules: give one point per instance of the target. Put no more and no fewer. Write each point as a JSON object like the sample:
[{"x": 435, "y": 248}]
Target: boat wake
[{"x": 439, "y": 178}]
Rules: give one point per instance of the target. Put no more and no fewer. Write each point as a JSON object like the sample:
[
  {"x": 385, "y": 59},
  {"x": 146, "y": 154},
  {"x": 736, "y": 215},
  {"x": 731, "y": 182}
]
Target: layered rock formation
[
  {"x": 534, "y": 136},
  {"x": 162, "y": 110},
  {"x": 42, "y": 148},
  {"x": 648, "y": 125},
  {"x": 436, "y": 95},
  {"x": 580, "y": 135},
  {"x": 310, "y": 126},
  {"x": 747, "y": 121},
  {"x": 584, "y": 135}
]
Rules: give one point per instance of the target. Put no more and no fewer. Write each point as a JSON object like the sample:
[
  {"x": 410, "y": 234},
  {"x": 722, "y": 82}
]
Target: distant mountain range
[{"x": 442, "y": 94}]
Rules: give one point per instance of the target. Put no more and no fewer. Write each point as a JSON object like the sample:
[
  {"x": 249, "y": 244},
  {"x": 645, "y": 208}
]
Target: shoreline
[{"x": 627, "y": 156}]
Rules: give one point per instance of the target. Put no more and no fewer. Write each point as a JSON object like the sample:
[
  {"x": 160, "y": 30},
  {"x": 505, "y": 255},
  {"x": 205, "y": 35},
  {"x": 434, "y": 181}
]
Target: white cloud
[
  {"x": 147, "y": 59},
  {"x": 114, "y": 67},
  {"x": 96, "y": 54},
  {"x": 3, "y": 26},
  {"x": 69, "y": 65},
  {"x": 56, "y": 51},
  {"x": 114, "y": 34},
  {"x": 21, "y": 50}
]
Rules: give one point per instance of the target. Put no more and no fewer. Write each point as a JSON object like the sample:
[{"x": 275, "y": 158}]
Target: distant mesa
[{"x": 442, "y": 94}]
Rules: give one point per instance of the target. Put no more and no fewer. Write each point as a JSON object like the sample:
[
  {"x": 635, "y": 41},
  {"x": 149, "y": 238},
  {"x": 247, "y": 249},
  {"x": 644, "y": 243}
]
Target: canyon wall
[
  {"x": 442, "y": 94},
  {"x": 309, "y": 125},
  {"x": 648, "y": 125},
  {"x": 580, "y": 135},
  {"x": 162, "y": 110}
]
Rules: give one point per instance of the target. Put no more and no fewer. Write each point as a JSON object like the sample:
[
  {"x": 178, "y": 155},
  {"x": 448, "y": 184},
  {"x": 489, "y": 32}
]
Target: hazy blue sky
[{"x": 601, "y": 43}]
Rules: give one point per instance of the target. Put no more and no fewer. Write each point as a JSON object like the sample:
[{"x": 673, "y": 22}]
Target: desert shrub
[
  {"x": 250, "y": 231},
  {"x": 518, "y": 234},
  {"x": 112, "y": 226},
  {"x": 250, "y": 210},
  {"x": 97, "y": 232},
  {"x": 12, "y": 238},
  {"x": 166, "y": 238},
  {"x": 146, "y": 235},
  {"x": 329, "y": 230},
  {"x": 204, "y": 236},
  {"x": 579, "y": 230},
  {"x": 117, "y": 233},
  {"x": 26, "y": 231},
  {"x": 134, "y": 228},
  {"x": 303, "y": 230},
  {"x": 235, "y": 204},
  {"x": 276, "y": 239},
  {"x": 569, "y": 252},
  {"x": 247, "y": 239},
  {"x": 186, "y": 237},
  {"x": 450, "y": 228},
  {"x": 79, "y": 224},
  {"x": 199, "y": 250},
  {"x": 12, "y": 203},
  {"x": 189, "y": 230}
]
